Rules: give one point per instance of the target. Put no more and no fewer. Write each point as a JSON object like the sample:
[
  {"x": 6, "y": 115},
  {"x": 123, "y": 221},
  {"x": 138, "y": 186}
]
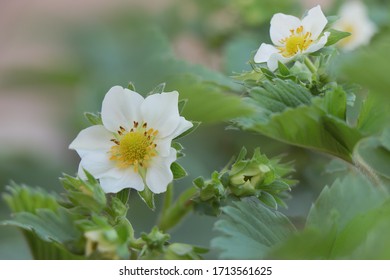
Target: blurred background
[{"x": 58, "y": 59}]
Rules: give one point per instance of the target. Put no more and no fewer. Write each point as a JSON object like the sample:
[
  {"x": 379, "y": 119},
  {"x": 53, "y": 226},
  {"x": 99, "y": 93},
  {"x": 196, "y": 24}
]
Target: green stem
[
  {"x": 172, "y": 215},
  {"x": 310, "y": 65},
  {"x": 365, "y": 169},
  {"x": 167, "y": 199}
]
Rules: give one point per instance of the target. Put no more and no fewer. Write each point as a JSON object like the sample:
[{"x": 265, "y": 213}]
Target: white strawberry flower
[
  {"x": 133, "y": 146},
  {"x": 292, "y": 37},
  {"x": 354, "y": 19}
]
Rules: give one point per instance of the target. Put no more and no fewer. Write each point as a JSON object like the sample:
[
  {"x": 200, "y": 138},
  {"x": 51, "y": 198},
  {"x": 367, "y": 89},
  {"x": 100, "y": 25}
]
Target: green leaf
[
  {"x": 335, "y": 36},
  {"x": 372, "y": 153},
  {"x": 208, "y": 102},
  {"x": 248, "y": 230},
  {"x": 375, "y": 75},
  {"x": 288, "y": 113},
  {"x": 85, "y": 193},
  {"x": 352, "y": 241},
  {"x": 344, "y": 200},
  {"x": 342, "y": 223},
  {"x": 236, "y": 53},
  {"x": 310, "y": 244},
  {"x": 385, "y": 138},
  {"x": 267, "y": 73},
  {"x": 335, "y": 102},
  {"x": 94, "y": 119},
  {"x": 21, "y": 198},
  {"x": 48, "y": 225},
  {"x": 277, "y": 96},
  {"x": 178, "y": 171}
]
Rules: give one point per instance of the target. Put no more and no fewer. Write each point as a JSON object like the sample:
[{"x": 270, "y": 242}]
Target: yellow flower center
[
  {"x": 134, "y": 148},
  {"x": 298, "y": 41}
]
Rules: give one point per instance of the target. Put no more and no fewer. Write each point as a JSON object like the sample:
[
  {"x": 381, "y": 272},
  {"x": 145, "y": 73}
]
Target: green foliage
[
  {"x": 21, "y": 198},
  {"x": 288, "y": 113},
  {"x": 374, "y": 153},
  {"x": 266, "y": 179},
  {"x": 342, "y": 224},
  {"x": 209, "y": 102},
  {"x": 85, "y": 193},
  {"x": 83, "y": 224},
  {"x": 156, "y": 246},
  {"x": 248, "y": 230}
]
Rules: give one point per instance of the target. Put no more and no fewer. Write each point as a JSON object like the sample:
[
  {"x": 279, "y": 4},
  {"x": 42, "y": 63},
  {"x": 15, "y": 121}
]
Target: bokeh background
[{"x": 58, "y": 59}]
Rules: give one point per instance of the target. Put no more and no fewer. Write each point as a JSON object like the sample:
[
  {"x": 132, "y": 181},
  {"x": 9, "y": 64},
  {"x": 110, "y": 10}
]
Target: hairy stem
[{"x": 365, "y": 169}]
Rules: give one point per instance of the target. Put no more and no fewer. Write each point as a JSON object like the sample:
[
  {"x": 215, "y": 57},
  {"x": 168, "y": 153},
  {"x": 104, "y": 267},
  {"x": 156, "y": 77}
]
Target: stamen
[{"x": 134, "y": 148}]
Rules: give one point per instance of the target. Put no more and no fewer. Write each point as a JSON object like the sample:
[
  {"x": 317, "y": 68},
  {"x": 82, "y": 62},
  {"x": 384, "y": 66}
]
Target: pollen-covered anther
[
  {"x": 298, "y": 41},
  {"x": 134, "y": 148}
]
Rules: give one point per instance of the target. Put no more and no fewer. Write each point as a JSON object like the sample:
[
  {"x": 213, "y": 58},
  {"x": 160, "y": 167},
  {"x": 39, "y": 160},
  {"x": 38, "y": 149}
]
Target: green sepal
[
  {"x": 94, "y": 119},
  {"x": 147, "y": 196},
  {"x": 178, "y": 171},
  {"x": 131, "y": 86},
  {"x": 335, "y": 36},
  {"x": 284, "y": 71},
  {"x": 158, "y": 89},
  {"x": 123, "y": 195},
  {"x": 182, "y": 103}
]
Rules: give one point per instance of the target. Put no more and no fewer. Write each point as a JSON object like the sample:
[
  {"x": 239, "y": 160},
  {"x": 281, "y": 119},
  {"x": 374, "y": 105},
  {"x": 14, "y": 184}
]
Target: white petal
[
  {"x": 272, "y": 62},
  {"x": 93, "y": 138},
  {"x": 163, "y": 146},
  {"x": 120, "y": 108},
  {"x": 160, "y": 111},
  {"x": 281, "y": 25},
  {"x": 159, "y": 173},
  {"x": 97, "y": 163},
  {"x": 264, "y": 53},
  {"x": 183, "y": 126},
  {"x": 319, "y": 44},
  {"x": 314, "y": 22},
  {"x": 128, "y": 179}
]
